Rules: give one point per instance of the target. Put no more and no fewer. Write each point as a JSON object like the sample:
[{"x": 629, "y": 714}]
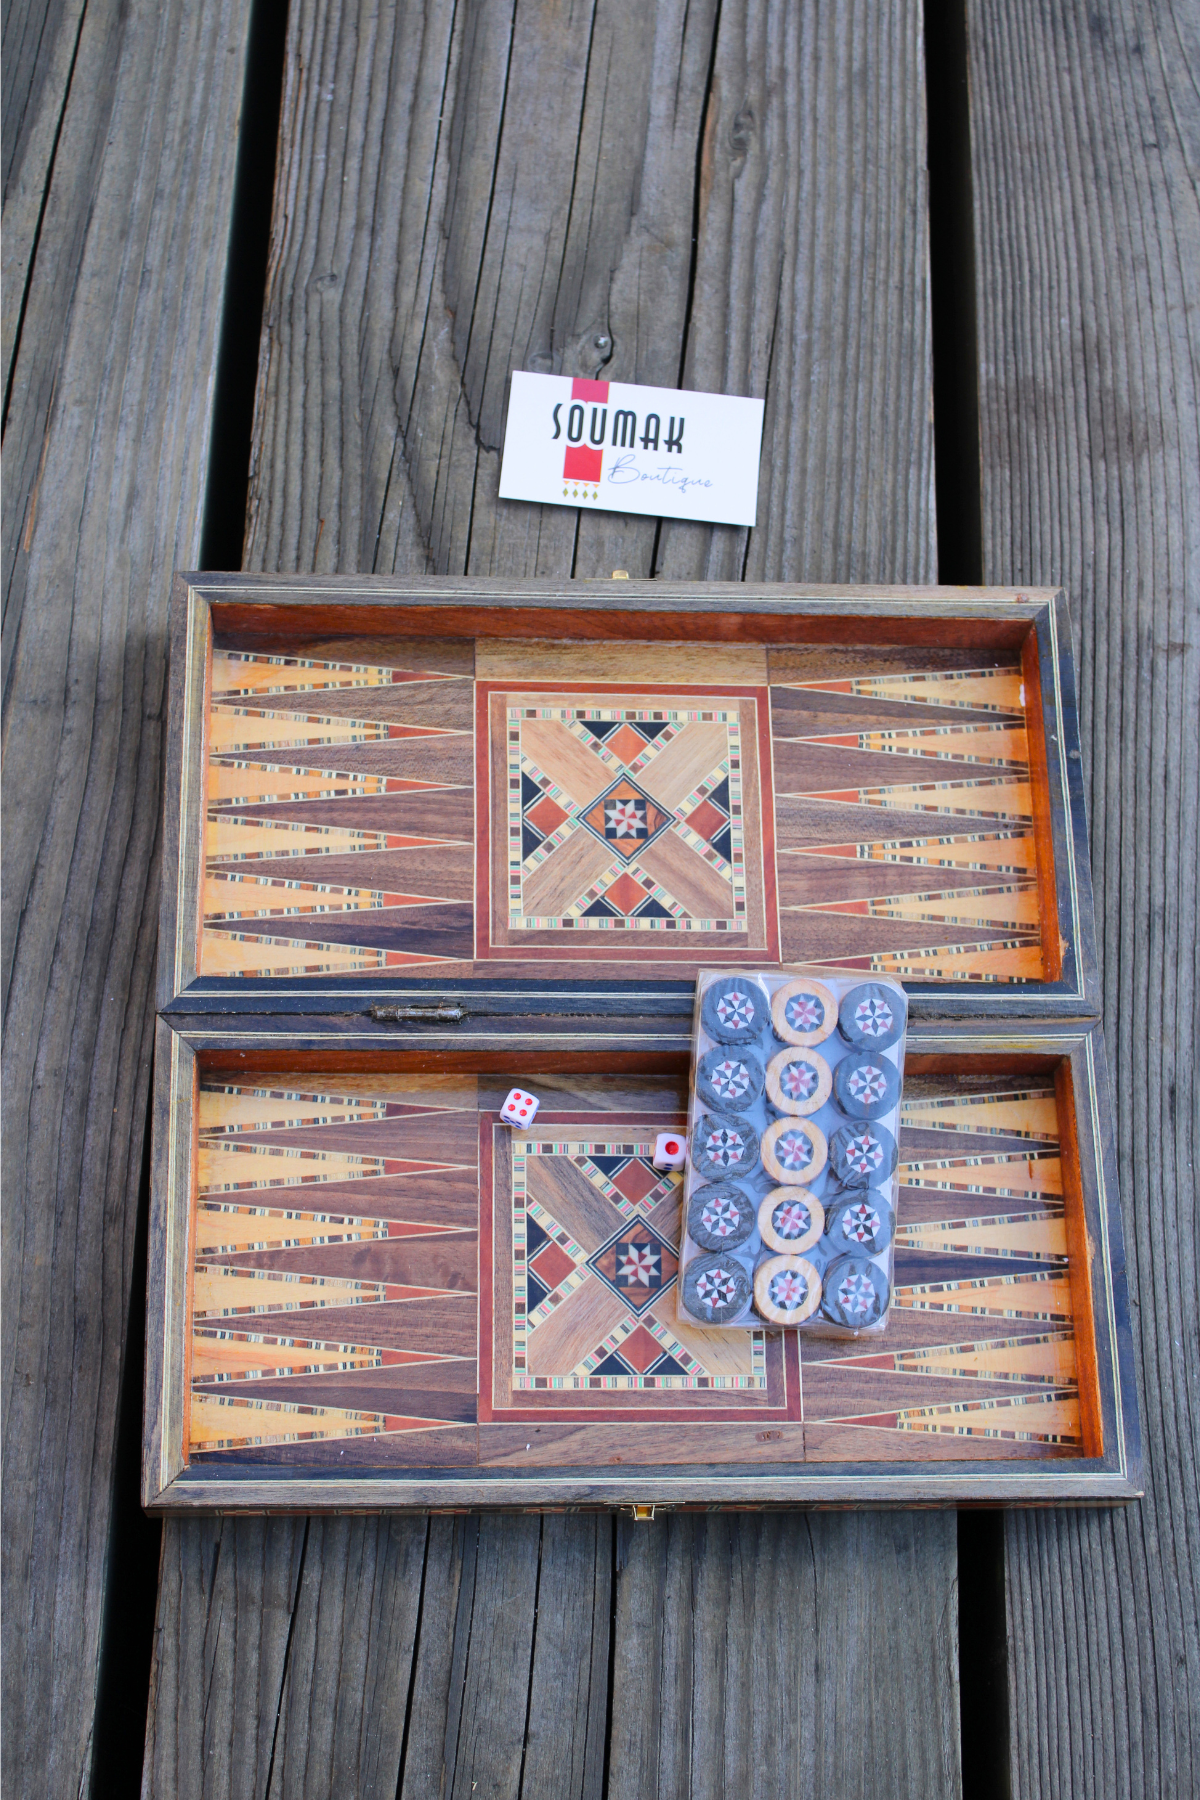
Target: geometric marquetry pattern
[
  {"x": 335, "y": 1277},
  {"x": 341, "y": 816},
  {"x": 980, "y": 1343},
  {"x": 904, "y": 817},
  {"x": 339, "y": 811},
  {"x": 335, "y": 1260},
  {"x": 595, "y": 1234},
  {"x": 625, "y": 818}
]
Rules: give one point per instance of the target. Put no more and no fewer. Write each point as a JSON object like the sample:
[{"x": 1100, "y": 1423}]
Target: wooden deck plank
[
  {"x": 811, "y": 223},
  {"x": 119, "y": 203},
  {"x": 567, "y": 1720},
  {"x": 499, "y": 1702},
  {"x": 459, "y": 195},
  {"x": 759, "y": 1655},
  {"x": 1086, "y": 132},
  {"x": 353, "y": 1633},
  {"x": 37, "y": 57},
  {"x": 224, "y": 1575}
]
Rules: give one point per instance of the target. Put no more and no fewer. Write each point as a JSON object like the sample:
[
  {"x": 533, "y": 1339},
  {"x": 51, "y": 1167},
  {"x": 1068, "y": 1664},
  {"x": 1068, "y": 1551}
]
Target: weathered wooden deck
[{"x": 722, "y": 194}]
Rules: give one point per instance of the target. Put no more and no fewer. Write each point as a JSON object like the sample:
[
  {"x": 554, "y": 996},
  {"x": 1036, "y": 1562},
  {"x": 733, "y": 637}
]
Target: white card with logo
[{"x": 666, "y": 452}]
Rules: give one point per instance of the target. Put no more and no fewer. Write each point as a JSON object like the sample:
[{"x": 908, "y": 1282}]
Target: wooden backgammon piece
[
  {"x": 871, "y": 1016},
  {"x": 787, "y": 1290},
  {"x": 720, "y": 1217},
  {"x": 716, "y": 1289},
  {"x": 798, "y": 1081},
  {"x": 863, "y": 1224},
  {"x": 790, "y": 1219},
  {"x": 729, "y": 1078},
  {"x": 803, "y": 1011},
  {"x": 723, "y": 1145},
  {"x": 734, "y": 1010},
  {"x": 794, "y": 1151},
  {"x": 865, "y": 1086},
  {"x": 856, "y": 1292},
  {"x": 860, "y": 1155}
]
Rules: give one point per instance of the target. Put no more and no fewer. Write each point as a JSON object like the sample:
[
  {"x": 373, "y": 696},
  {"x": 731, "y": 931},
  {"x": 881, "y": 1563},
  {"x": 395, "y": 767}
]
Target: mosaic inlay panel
[
  {"x": 634, "y": 819},
  {"x": 342, "y": 1270},
  {"x": 595, "y": 1239},
  {"x": 602, "y": 783},
  {"x": 393, "y": 812}
]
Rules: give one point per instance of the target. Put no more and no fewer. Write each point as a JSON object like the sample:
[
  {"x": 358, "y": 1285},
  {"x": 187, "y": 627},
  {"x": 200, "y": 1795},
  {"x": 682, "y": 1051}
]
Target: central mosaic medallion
[
  {"x": 637, "y": 1265},
  {"x": 594, "y": 1233},
  {"x": 625, "y": 818}
]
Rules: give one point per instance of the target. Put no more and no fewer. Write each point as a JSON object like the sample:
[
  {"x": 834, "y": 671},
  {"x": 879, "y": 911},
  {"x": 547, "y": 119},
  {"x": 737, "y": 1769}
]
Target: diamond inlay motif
[
  {"x": 551, "y": 1265},
  {"x": 637, "y": 1265},
  {"x": 625, "y": 818}
]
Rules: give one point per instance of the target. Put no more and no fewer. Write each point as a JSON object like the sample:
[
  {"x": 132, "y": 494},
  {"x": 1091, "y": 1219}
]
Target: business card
[{"x": 666, "y": 452}]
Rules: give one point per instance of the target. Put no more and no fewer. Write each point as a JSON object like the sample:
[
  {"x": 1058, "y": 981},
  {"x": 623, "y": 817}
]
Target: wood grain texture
[
  {"x": 38, "y": 56},
  {"x": 512, "y": 1667},
  {"x": 331, "y": 1657},
  {"x": 224, "y": 1573},
  {"x": 519, "y": 190},
  {"x": 352, "y": 1635},
  {"x": 1086, "y": 138},
  {"x": 121, "y": 181},
  {"x": 756, "y": 1655},
  {"x": 810, "y": 222}
]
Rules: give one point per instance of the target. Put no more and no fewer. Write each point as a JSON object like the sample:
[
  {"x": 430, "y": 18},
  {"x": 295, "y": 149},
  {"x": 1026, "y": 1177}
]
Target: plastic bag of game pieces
[{"x": 792, "y": 1171}]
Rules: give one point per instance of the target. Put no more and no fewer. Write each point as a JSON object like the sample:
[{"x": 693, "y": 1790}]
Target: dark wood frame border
[
  {"x": 1034, "y": 622},
  {"x": 1074, "y": 1052}
]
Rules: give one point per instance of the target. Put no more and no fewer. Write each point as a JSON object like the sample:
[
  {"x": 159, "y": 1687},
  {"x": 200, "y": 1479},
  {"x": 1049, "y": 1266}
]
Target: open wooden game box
[{"x": 392, "y": 890}]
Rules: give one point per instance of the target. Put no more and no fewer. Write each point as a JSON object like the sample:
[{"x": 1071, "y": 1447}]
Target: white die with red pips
[
  {"x": 669, "y": 1150},
  {"x": 520, "y": 1108}
]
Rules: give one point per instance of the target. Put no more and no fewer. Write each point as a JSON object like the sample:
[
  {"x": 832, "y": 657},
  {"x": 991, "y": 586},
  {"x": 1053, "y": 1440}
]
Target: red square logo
[{"x": 582, "y": 463}]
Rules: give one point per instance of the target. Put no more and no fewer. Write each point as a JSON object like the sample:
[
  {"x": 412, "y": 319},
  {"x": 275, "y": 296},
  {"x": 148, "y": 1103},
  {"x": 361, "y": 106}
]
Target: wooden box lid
[{"x": 508, "y": 798}]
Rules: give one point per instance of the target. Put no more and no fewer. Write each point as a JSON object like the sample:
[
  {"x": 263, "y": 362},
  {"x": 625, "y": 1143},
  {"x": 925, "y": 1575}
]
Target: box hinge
[{"x": 424, "y": 1015}]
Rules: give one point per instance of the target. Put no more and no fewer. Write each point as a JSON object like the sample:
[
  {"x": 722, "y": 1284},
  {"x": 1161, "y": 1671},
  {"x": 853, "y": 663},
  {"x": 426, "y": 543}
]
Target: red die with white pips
[
  {"x": 520, "y": 1108},
  {"x": 669, "y": 1150}
]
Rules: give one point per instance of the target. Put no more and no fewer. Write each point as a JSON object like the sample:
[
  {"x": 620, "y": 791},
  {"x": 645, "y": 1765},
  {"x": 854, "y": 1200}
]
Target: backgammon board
[{"x": 424, "y": 840}]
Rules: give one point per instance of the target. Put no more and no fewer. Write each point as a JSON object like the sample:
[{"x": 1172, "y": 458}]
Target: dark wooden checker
[{"x": 368, "y": 1290}]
